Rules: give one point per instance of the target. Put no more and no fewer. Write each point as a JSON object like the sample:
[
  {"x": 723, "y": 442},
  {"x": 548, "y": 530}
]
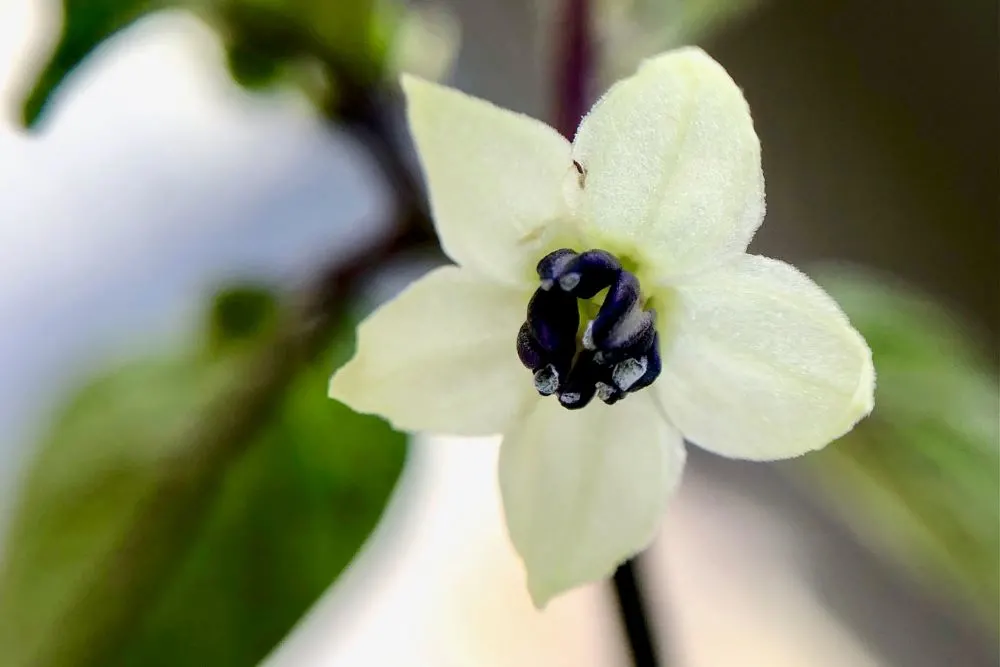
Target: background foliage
[{"x": 136, "y": 543}]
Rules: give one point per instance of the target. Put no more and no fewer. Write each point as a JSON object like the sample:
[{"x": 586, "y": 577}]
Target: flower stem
[
  {"x": 632, "y": 608},
  {"x": 574, "y": 65}
]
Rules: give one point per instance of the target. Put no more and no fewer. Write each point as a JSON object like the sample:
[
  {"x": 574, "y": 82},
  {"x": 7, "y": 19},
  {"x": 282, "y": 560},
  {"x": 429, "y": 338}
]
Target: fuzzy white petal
[
  {"x": 584, "y": 490},
  {"x": 441, "y": 357},
  {"x": 494, "y": 178},
  {"x": 761, "y": 363},
  {"x": 673, "y": 171}
]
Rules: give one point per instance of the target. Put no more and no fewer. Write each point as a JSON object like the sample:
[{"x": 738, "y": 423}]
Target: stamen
[
  {"x": 610, "y": 395},
  {"x": 568, "y": 281},
  {"x": 550, "y": 267},
  {"x": 588, "y": 336},
  {"x": 581, "y": 384},
  {"x": 622, "y": 297},
  {"x": 547, "y": 380},
  {"x": 629, "y": 339},
  {"x": 654, "y": 366},
  {"x": 605, "y": 391},
  {"x": 553, "y": 320},
  {"x": 631, "y": 328},
  {"x": 628, "y": 372},
  {"x": 529, "y": 351},
  {"x": 617, "y": 354},
  {"x": 595, "y": 270}
]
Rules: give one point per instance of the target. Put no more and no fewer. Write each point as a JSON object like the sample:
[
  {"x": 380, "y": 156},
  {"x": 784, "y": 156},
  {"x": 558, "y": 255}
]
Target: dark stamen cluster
[{"x": 618, "y": 353}]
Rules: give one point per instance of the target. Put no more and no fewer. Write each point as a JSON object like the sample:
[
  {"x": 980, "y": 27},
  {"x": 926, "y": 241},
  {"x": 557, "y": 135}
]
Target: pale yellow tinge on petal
[
  {"x": 761, "y": 363},
  {"x": 673, "y": 167},
  {"x": 584, "y": 490},
  {"x": 494, "y": 178},
  {"x": 441, "y": 357}
]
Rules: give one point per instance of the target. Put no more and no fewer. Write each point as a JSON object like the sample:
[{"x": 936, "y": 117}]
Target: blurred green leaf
[
  {"x": 133, "y": 545},
  {"x": 241, "y": 313},
  {"x": 86, "y": 24},
  {"x": 920, "y": 478},
  {"x": 352, "y": 34},
  {"x": 289, "y": 518},
  {"x": 264, "y": 39}
]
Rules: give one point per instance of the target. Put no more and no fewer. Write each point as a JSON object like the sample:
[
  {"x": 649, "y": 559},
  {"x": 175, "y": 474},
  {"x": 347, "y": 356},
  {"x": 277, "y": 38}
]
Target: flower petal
[
  {"x": 495, "y": 178},
  {"x": 441, "y": 357},
  {"x": 672, "y": 163},
  {"x": 585, "y": 490},
  {"x": 761, "y": 363}
]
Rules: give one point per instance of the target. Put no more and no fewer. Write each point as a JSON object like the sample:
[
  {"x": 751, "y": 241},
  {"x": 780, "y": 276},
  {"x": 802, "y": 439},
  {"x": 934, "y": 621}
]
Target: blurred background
[{"x": 181, "y": 181}]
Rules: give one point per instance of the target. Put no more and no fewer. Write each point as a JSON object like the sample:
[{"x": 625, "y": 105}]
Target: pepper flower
[{"x": 602, "y": 310}]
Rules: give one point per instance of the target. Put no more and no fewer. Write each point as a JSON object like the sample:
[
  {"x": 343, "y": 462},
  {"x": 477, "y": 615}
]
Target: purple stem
[{"x": 574, "y": 65}]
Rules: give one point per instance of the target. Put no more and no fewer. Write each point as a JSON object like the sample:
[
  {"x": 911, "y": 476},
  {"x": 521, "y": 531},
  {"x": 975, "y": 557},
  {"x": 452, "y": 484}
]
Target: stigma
[{"x": 612, "y": 355}]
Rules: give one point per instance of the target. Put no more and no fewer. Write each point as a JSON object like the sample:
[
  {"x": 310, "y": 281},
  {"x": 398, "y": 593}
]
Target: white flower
[{"x": 663, "y": 177}]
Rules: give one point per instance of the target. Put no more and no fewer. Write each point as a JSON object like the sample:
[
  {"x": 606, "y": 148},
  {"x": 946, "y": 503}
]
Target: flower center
[{"x": 617, "y": 353}]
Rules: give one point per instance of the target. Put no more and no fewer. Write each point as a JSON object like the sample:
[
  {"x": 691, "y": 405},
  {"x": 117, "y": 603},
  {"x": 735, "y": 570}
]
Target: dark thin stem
[
  {"x": 574, "y": 64},
  {"x": 632, "y": 608}
]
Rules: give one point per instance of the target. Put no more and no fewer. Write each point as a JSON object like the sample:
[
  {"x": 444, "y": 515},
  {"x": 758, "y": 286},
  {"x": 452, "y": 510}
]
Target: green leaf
[
  {"x": 920, "y": 478},
  {"x": 290, "y": 517},
  {"x": 242, "y": 313},
  {"x": 86, "y": 24},
  {"x": 134, "y": 544},
  {"x": 265, "y": 40},
  {"x": 349, "y": 29}
]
